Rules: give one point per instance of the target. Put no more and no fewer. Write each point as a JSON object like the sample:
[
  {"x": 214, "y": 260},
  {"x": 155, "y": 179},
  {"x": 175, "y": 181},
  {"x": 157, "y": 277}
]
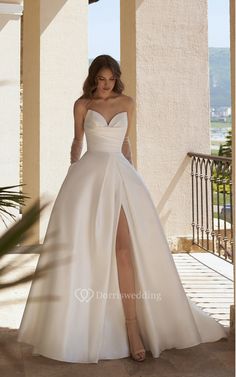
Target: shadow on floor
[{"x": 205, "y": 360}]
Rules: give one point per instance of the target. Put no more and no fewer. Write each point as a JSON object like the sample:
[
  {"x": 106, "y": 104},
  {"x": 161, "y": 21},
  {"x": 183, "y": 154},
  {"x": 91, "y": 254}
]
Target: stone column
[
  {"x": 55, "y": 66},
  {"x": 10, "y": 17},
  {"x": 232, "y": 66},
  {"x": 164, "y": 56}
]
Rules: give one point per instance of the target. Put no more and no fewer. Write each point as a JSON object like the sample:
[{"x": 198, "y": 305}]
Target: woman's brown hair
[{"x": 101, "y": 62}]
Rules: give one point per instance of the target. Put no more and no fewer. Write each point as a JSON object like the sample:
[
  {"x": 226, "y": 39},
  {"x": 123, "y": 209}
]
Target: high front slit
[{"x": 84, "y": 324}]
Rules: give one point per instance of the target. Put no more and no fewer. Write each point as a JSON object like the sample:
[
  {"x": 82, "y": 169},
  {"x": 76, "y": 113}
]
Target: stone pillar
[
  {"x": 31, "y": 106},
  {"x": 55, "y": 66},
  {"x": 10, "y": 17},
  {"x": 164, "y": 49},
  {"x": 232, "y": 65},
  {"x": 128, "y": 60}
]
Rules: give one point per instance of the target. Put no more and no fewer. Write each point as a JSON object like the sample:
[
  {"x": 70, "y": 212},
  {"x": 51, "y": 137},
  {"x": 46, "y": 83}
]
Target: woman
[{"x": 121, "y": 292}]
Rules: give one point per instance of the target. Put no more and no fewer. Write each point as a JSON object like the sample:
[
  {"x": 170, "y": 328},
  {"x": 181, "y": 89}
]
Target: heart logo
[{"x": 84, "y": 294}]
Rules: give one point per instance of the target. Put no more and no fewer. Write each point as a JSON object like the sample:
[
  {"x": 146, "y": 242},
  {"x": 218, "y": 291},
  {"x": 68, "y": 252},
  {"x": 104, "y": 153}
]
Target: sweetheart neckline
[{"x": 108, "y": 124}]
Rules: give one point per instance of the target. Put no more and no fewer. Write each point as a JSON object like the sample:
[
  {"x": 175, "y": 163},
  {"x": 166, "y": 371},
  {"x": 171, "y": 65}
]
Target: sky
[
  {"x": 104, "y": 26},
  {"x": 218, "y": 14}
]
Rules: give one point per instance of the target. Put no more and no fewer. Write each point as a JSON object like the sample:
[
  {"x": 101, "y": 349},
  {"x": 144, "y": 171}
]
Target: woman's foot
[{"x": 136, "y": 346}]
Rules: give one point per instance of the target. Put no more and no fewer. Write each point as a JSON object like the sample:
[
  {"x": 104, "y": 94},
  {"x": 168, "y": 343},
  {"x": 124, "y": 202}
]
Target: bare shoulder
[
  {"x": 80, "y": 106},
  {"x": 129, "y": 103}
]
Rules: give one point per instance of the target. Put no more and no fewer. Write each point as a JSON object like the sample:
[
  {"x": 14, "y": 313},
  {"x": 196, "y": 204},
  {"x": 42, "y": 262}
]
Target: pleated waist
[{"x": 104, "y": 150}]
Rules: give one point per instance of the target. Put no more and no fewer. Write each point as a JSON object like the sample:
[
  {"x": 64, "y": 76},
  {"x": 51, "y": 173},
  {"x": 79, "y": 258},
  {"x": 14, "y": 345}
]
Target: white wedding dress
[{"x": 82, "y": 318}]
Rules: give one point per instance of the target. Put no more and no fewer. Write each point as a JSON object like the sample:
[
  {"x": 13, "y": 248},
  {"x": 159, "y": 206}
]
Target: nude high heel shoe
[{"x": 137, "y": 351}]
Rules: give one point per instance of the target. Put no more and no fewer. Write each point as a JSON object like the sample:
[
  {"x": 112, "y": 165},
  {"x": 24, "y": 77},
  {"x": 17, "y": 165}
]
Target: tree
[{"x": 226, "y": 148}]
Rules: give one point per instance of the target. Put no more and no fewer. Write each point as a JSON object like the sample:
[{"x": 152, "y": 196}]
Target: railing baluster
[
  {"x": 216, "y": 172},
  {"x": 207, "y": 204},
  {"x": 201, "y": 204},
  {"x": 193, "y": 212},
  {"x": 197, "y": 212},
  {"x": 218, "y": 207}
]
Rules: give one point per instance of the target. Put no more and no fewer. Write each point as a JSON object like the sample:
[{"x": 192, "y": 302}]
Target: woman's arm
[
  {"x": 126, "y": 146},
  {"x": 77, "y": 144}
]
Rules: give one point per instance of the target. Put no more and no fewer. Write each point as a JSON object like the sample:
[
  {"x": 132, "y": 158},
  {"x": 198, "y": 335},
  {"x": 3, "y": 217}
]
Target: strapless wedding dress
[{"x": 83, "y": 321}]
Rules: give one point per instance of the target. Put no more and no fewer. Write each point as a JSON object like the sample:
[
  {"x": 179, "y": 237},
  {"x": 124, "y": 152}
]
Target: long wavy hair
[{"x": 101, "y": 62}]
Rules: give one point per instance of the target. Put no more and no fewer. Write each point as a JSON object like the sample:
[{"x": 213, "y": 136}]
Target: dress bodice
[{"x": 103, "y": 136}]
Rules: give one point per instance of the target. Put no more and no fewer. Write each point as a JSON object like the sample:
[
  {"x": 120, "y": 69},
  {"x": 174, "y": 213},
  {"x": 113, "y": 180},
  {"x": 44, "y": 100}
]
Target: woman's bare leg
[{"x": 126, "y": 275}]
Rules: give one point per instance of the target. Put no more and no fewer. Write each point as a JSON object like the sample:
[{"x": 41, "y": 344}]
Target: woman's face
[{"x": 105, "y": 80}]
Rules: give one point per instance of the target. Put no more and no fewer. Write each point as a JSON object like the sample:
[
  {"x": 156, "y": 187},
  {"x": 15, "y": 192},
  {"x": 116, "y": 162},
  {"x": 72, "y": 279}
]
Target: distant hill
[
  {"x": 219, "y": 67},
  {"x": 219, "y": 70}
]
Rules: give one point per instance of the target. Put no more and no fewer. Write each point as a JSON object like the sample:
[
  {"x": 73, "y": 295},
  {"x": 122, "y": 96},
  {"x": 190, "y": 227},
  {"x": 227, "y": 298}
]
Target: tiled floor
[
  {"x": 209, "y": 287},
  {"x": 205, "y": 360}
]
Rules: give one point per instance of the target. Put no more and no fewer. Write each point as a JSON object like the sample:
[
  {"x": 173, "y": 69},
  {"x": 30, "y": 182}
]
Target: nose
[{"x": 106, "y": 86}]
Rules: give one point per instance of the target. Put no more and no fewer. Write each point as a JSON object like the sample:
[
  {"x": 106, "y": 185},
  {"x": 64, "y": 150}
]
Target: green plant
[
  {"x": 10, "y": 199},
  {"x": 17, "y": 234},
  {"x": 226, "y": 148}
]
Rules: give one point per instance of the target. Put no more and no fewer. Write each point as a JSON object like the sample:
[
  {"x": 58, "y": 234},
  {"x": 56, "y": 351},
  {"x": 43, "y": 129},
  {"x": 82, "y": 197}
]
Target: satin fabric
[{"x": 75, "y": 313}]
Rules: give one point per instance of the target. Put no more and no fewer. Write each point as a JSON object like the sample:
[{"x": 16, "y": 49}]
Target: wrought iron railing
[{"x": 212, "y": 208}]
